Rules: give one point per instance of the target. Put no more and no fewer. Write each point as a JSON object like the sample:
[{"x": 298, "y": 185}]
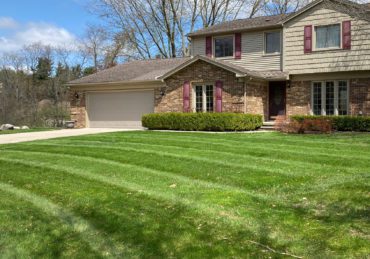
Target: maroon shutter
[
  {"x": 219, "y": 96},
  {"x": 346, "y": 34},
  {"x": 209, "y": 46},
  {"x": 238, "y": 45},
  {"x": 186, "y": 96},
  {"x": 308, "y": 39}
]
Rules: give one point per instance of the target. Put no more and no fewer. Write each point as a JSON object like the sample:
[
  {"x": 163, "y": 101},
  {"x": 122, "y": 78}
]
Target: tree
[{"x": 153, "y": 27}]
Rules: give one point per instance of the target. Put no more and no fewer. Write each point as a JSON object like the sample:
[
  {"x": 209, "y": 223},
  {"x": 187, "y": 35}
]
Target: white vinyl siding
[
  {"x": 330, "y": 97},
  {"x": 253, "y": 54},
  {"x": 320, "y": 61}
]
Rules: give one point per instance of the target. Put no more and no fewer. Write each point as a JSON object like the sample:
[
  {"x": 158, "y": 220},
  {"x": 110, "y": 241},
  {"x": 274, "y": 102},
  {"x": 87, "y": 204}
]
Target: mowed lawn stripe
[
  {"x": 163, "y": 200},
  {"x": 289, "y": 166},
  {"x": 219, "y": 229},
  {"x": 245, "y": 155},
  {"x": 234, "y": 218},
  {"x": 101, "y": 245},
  {"x": 317, "y": 186}
]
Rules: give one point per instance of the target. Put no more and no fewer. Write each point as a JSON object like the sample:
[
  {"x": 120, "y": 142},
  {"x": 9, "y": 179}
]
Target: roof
[
  {"x": 238, "y": 70},
  {"x": 134, "y": 71},
  {"x": 160, "y": 69},
  {"x": 241, "y": 25}
]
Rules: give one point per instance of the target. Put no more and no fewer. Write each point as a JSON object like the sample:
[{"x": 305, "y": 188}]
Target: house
[{"x": 314, "y": 61}]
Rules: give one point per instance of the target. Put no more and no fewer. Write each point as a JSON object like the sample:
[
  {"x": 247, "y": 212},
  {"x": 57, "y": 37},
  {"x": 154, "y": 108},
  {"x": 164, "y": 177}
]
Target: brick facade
[
  {"x": 257, "y": 92},
  {"x": 299, "y": 97},
  {"x": 78, "y": 108},
  {"x": 359, "y": 97},
  {"x": 237, "y": 96},
  {"x": 170, "y": 98}
]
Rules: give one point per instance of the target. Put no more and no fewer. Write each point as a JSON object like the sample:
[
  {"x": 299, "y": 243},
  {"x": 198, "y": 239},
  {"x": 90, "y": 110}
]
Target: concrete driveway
[{"x": 31, "y": 136}]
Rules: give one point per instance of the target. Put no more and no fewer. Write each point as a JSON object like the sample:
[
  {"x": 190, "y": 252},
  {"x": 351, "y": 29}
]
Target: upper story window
[
  {"x": 327, "y": 36},
  {"x": 224, "y": 46},
  {"x": 272, "y": 42}
]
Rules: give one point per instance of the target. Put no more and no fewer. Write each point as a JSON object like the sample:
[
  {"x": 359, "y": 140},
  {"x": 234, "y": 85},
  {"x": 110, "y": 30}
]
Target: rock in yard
[
  {"x": 17, "y": 128},
  {"x": 7, "y": 127},
  {"x": 25, "y": 128}
]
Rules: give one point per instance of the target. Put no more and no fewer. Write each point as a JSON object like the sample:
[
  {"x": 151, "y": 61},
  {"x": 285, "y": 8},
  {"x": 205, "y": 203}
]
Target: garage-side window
[{"x": 203, "y": 98}]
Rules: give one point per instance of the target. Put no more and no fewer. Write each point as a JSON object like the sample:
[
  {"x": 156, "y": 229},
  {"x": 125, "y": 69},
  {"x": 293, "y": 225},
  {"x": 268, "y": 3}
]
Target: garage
[{"x": 121, "y": 109}]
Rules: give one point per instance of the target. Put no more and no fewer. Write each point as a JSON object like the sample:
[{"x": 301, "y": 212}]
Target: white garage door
[{"x": 118, "y": 109}]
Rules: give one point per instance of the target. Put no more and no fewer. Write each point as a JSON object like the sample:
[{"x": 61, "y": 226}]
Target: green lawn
[
  {"x": 2, "y": 132},
  {"x": 193, "y": 195}
]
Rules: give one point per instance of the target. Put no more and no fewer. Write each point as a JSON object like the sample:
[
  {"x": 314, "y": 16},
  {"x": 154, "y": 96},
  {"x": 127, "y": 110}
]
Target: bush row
[
  {"x": 339, "y": 123},
  {"x": 202, "y": 121}
]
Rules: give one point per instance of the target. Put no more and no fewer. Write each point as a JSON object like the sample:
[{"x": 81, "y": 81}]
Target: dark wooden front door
[{"x": 277, "y": 94}]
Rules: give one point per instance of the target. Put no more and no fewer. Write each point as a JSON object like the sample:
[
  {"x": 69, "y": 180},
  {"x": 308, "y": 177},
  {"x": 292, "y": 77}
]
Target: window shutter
[
  {"x": 186, "y": 96},
  {"x": 219, "y": 85},
  {"x": 238, "y": 45},
  {"x": 346, "y": 34},
  {"x": 209, "y": 46},
  {"x": 308, "y": 39}
]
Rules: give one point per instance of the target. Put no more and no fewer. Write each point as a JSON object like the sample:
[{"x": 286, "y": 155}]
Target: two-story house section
[{"x": 314, "y": 61}]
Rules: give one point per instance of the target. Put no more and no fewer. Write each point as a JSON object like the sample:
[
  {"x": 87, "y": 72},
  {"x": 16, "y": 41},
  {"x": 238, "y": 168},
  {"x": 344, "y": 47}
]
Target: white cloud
[
  {"x": 32, "y": 32},
  {"x": 8, "y": 23}
]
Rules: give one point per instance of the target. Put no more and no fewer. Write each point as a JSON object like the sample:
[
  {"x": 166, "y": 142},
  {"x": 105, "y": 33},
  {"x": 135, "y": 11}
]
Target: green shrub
[
  {"x": 339, "y": 123},
  {"x": 202, "y": 121}
]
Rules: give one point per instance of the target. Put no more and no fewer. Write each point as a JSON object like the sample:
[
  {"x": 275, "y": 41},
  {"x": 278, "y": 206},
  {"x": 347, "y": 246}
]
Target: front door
[{"x": 277, "y": 93}]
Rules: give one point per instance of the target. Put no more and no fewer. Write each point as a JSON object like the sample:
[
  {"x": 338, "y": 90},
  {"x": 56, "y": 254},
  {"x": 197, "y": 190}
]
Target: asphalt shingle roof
[
  {"x": 241, "y": 24},
  {"x": 138, "y": 70}
]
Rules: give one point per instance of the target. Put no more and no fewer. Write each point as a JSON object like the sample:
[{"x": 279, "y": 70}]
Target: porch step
[{"x": 268, "y": 125}]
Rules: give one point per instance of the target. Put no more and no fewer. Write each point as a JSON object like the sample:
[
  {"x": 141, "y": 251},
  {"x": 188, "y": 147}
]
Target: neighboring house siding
[
  {"x": 297, "y": 62},
  {"x": 253, "y": 57}
]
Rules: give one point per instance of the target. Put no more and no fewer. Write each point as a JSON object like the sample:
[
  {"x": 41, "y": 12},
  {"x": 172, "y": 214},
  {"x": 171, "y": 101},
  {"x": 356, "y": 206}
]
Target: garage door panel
[{"x": 119, "y": 109}]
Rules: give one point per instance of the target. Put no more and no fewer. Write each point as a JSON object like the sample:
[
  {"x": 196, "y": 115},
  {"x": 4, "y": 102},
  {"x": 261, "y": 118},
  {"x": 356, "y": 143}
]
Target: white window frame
[
  {"x": 204, "y": 96},
  {"x": 332, "y": 48},
  {"x": 222, "y": 37},
  {"x": 323, "y": 96},
  {"x": 265, "y": 45}
]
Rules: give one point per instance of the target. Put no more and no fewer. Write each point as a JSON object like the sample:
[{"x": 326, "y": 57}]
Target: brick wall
[
  {"x": 359, "y": 97},
  {"x": 257, "y": 97},
  {"x": 78, "y": 108},
  {"x": 298, "y": 98},
  {"x": 200, "y": 72}
]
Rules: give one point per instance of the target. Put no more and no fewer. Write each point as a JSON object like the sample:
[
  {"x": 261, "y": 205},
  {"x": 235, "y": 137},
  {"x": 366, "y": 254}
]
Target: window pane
[
  {"x": 224, "y": 47},
  {"x": 209, "y": 98},
  {"x": 272, "y": 44},
  {"x": 199, "y": 98},
  {"x": 317, "y": 99},
  {"x": 329, "y": 98},
  {"x": 328, "y": 36},
  {"x": 342, "y": 98}
]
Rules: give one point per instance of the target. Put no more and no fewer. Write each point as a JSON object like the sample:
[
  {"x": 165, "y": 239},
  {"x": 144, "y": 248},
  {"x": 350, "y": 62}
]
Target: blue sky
[{"x": 55, "y": 22}]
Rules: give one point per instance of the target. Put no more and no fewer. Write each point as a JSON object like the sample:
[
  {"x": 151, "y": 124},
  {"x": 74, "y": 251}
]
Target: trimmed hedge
[
  {"x": 202, "y": 121},
  {"x": 340, "y": 123}
]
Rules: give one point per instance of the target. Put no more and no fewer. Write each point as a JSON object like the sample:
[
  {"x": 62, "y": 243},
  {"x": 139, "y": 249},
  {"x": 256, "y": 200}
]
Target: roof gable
[{"x": 343, "y": 6}]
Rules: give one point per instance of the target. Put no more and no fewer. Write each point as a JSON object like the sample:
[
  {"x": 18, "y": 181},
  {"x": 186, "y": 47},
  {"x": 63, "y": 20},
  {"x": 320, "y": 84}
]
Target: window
[
  {"x": 330, "y": 98},
  {"x": 224, "y": 47},
  {"x": 327, "y": 36},
  {"x": 272, "y": 42},
  {"x": 203, "y": 98}
]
